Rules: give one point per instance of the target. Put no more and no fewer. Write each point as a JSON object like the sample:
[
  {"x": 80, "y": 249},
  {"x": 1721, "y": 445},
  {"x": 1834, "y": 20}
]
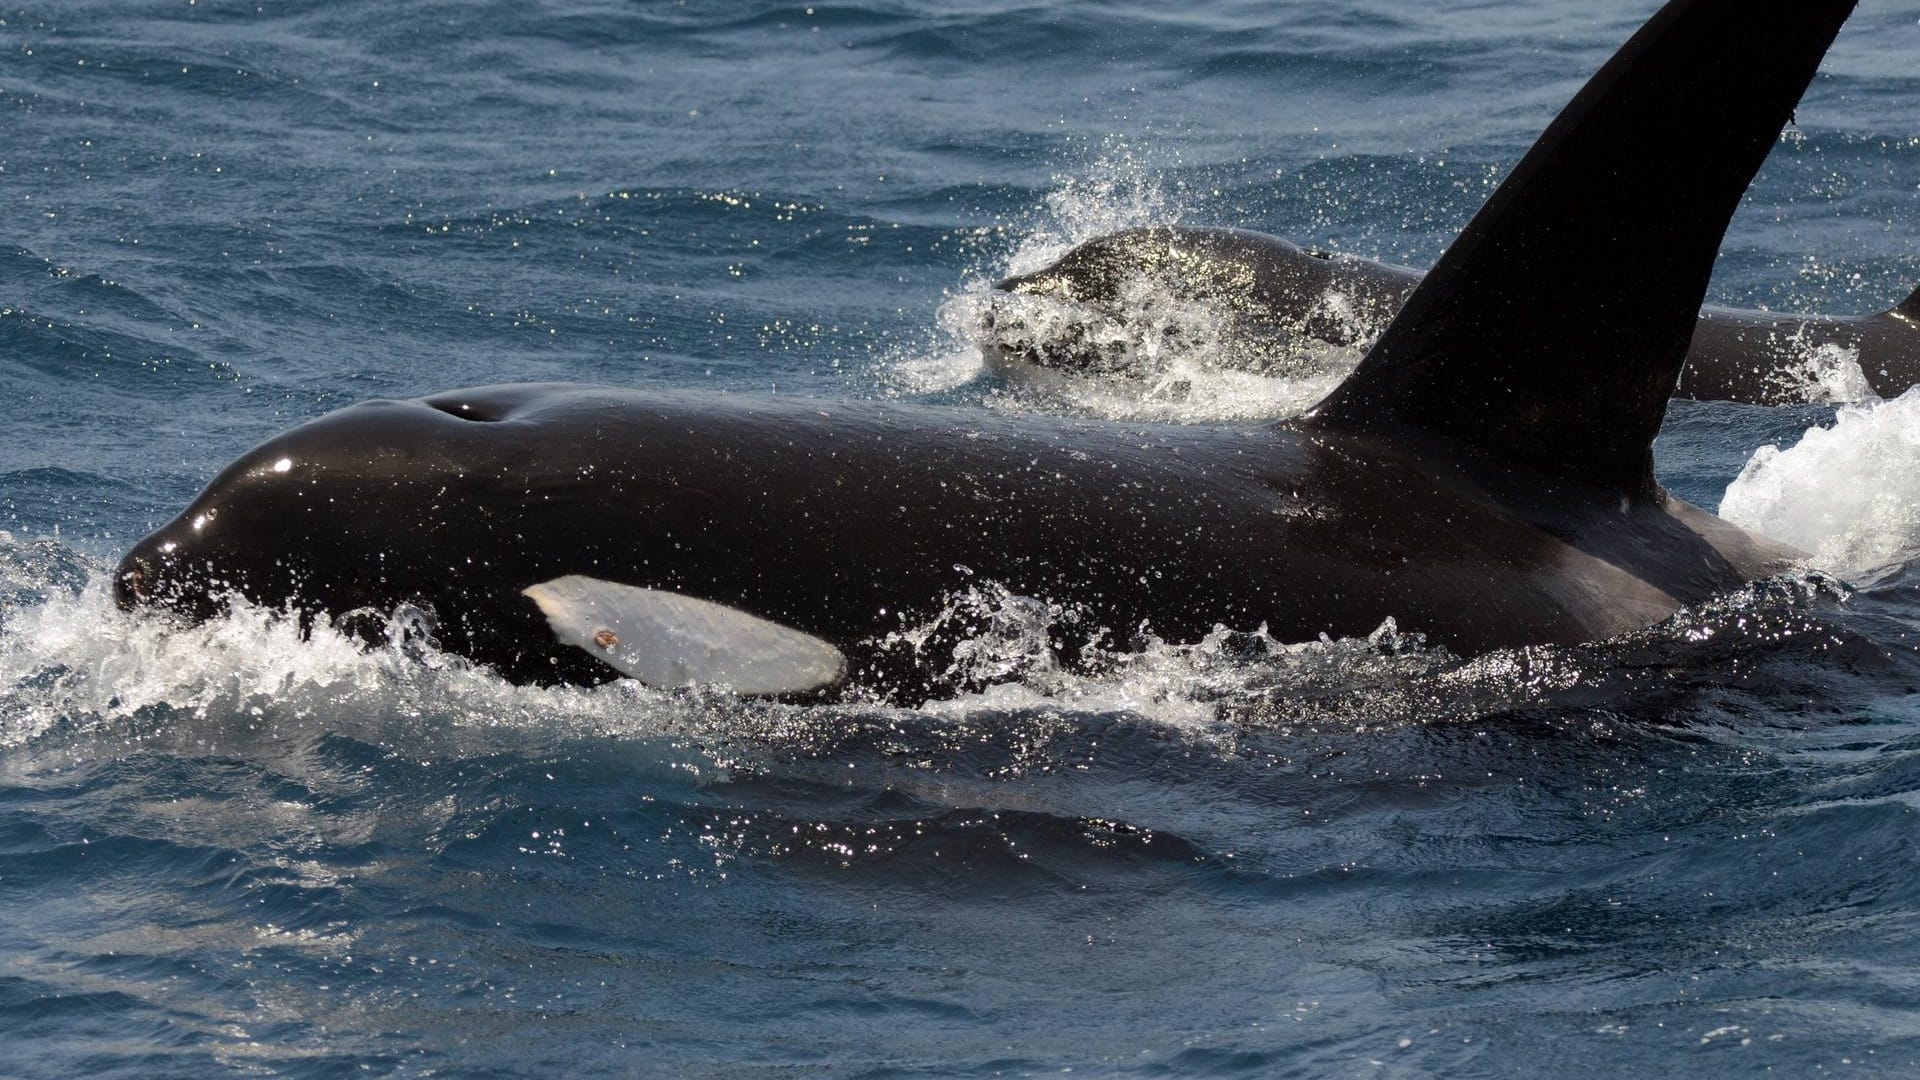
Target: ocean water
[{"x": 232, "y": 850}]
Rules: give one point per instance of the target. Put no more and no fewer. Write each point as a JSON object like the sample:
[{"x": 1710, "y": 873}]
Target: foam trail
[
  {"x": 76, "y": 666},
  {"x": 73, "y": 661},
  {"x": 1848, "y": 494}
]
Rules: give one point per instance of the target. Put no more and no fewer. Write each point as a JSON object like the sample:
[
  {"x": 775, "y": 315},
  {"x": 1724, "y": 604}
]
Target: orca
[
  {"x": 1481, "y": 477},
  {"x": 1276, "y": 296}
]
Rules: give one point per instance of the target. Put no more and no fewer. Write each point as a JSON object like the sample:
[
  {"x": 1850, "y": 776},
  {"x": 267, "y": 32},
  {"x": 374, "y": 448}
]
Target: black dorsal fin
[
  {"x": 1910, "y": 307},
  {"x": 1552, "y": 332}
]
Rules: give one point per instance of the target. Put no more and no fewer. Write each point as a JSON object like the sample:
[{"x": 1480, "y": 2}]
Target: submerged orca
[
  {"x": 1481, "y": 477},
  {"x": 1274, "y": 294}
]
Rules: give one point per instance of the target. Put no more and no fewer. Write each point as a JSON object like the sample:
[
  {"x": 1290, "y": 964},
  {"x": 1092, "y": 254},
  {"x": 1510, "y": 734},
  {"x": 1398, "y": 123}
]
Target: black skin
[
  {"x": 852, "y": 520},
  {"x": 1274, "y": 290}
]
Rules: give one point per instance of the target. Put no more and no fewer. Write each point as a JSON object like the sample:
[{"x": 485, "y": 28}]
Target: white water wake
[{"x": 1849, "y": 494}]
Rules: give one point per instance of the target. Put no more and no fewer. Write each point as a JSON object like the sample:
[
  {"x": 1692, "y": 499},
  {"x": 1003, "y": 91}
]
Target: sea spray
[{"x": 1848, "y": 494}]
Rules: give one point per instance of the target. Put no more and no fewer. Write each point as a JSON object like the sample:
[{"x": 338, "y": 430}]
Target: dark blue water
[{"x": 228, "y": 849}]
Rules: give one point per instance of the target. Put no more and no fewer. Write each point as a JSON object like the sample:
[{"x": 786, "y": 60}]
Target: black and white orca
[{"x": 1482, "y": 477}]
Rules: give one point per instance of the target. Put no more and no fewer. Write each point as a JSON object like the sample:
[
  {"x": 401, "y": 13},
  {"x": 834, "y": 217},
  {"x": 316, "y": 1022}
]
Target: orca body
[
  {"x": 1275, "y": 295},
  {"x": 1477, "y": 478},
  {"x": 851, "y": 521}
]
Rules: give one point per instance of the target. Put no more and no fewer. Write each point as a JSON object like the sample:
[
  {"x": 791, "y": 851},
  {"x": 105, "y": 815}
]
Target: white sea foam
[
  {"x": 74, "y": 663},
  {"x": 1229, "y": 678},
  {"x": 1848, "y": 494},
  {"x": 72, "y": 660},
  {"x": 1223, "y": 683}
]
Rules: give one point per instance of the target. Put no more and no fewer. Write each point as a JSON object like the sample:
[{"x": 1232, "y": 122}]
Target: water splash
[
  {"x": 76, "y": 664},
  {"x": 72, "y": 661},
  {"x": 1156, "y": 355},
  {"x": 1118, "y": 191},
  {"x": 1826, "y": 372},
  {"x": 1152, "y": 351},
  {"x": 1848, "y": 494}
]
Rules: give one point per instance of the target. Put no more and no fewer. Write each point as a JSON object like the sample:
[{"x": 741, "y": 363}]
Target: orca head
[
  {"x": 171, "y": 569},
  {"x": 276, "y": 525},
  {"x": 194, "y": 564}
]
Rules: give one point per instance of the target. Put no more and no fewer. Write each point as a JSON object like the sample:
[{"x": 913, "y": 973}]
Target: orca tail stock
[{"x": 1553, "y": 330}]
